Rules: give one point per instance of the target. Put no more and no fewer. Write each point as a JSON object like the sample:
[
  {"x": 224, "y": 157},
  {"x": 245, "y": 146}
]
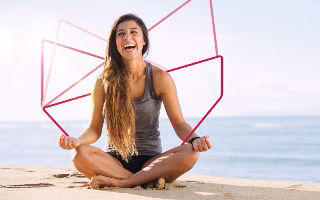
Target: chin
[{"x": 130, "y": 57}]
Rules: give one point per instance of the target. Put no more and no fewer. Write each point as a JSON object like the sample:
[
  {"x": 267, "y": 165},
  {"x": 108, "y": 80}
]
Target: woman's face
[{"x": 129, "y": 40}]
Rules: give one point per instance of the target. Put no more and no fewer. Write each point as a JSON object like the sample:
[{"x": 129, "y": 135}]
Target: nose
[{"x": 126, "y": 35}]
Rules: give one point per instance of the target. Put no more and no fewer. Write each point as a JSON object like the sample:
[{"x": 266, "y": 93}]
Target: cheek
[
  {"x": 118, "y": 43},
  {"x": 141, "y": 42}
]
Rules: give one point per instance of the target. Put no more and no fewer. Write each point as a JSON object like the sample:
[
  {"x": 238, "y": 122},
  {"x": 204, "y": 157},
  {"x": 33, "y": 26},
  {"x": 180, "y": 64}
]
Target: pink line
[
  {"x": 156, "y": 64},
  {"x": 51, "y": 61},
  {"x": 42, "y": 70},
  {"x": 166, "y": 17},
  {"x": 74, "y": 49},
  {"x": 203, "y": 118},
  {"x": 194, "y": 63},
  {"x": 55, "y": 43},
  {"x": 84, "y": 30},
  {"x": 60, "y": 45},
  {"x": 85, "y": 76},
  {"x": 43, "y": 93},
  {"x": 68, "y": 100},
  {"x": 54, "y": 121},
  {"x": 217, "y": 55},
  {"x": 53, "y": 53},
  {"x": 214, "y": 29},
  {"x": 163, "y": 19},
  {"x": 184, "y": 66}
]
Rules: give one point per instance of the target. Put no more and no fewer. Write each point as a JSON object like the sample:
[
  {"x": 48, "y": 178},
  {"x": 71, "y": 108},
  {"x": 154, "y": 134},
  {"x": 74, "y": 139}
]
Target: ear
[{"x": 144, "y": 43}]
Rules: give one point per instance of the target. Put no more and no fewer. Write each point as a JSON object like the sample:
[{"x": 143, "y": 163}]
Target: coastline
[{"x": 35, "y": 182}]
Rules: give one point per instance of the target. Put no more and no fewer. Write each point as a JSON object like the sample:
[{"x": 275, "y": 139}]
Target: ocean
[{"x": 268, "y": 148}]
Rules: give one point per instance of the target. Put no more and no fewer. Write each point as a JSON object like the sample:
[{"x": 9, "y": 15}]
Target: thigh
[
  {"x": 175, "y": 162},
  {"x": 166, "y": 153},
  {"x": 88, "y": 151},
  {"x": 93, "y": 161}
]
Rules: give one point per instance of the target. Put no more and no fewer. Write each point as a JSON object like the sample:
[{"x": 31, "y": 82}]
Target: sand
[{"x": 33, "y": 182}]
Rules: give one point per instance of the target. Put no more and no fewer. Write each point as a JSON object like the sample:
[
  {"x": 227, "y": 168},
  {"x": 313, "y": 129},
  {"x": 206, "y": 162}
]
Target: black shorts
[{"x": 135, "y": 163}]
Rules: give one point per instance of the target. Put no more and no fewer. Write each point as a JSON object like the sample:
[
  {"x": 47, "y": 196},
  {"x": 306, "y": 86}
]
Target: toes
[
  {"x": 94, "y": 186},
  {"x": 94, "y": 183},
  {"x": 160, "y": 184}
]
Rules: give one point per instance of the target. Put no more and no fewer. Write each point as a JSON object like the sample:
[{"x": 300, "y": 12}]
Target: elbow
[{"x": 96, "y": 132}]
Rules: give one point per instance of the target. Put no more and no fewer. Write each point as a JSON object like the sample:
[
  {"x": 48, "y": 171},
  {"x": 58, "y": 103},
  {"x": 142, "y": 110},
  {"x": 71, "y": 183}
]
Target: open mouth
[{"x": 129, "y": 46}]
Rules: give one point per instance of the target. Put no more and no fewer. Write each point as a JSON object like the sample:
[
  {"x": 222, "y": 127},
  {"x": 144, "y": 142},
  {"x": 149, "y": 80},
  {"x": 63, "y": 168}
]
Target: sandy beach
[{"x": 33, "y": 182}]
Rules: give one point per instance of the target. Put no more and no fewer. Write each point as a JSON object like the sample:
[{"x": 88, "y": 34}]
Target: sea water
[{"x": 269, "y": 148}]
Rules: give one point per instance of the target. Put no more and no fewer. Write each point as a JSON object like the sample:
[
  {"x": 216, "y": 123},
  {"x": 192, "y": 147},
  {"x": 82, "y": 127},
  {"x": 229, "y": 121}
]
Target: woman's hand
[
  {"x": 201, "y": 144},
  {"x": 67, "y": 142}
]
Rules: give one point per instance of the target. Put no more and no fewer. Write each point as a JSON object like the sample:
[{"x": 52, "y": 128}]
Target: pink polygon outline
[{"x": 51, "y": 104}]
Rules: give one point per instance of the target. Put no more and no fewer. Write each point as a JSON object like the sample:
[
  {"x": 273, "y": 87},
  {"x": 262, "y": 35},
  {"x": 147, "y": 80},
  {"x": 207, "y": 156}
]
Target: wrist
[
  {"x": 79, "y": 141},
  {"x": 191, "y": 140}
]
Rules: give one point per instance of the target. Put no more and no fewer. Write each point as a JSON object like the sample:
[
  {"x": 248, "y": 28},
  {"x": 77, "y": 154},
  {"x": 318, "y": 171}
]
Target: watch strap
[{"x": 193, "y": 139}]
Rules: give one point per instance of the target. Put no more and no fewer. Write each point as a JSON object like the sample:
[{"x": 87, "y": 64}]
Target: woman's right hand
[{"x": 67, "y": 142}]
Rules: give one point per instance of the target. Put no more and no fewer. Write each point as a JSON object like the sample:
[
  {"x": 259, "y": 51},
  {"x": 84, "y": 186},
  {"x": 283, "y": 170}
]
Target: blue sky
[{"x": 270, "y": 50}]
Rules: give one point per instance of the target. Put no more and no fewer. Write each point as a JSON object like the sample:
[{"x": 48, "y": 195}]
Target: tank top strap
[{"x": 150, "y": 85}]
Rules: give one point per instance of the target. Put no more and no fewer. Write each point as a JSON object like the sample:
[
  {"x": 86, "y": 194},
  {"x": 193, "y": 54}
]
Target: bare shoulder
[
  {"x": 162, "y": 81},
  {"x": 166, "y": 89}
]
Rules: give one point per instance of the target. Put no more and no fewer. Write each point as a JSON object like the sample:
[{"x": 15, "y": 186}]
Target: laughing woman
[{"x": 128, "y": 96}]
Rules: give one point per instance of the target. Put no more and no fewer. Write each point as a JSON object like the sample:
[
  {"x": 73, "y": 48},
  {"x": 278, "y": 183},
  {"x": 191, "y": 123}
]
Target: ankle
[{"x": 121, "y": 183}]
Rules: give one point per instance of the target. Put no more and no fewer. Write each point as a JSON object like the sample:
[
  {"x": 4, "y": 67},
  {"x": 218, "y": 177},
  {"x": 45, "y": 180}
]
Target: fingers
[
  {"x": 198, "y": 145},
  {"x": 75, "y": 143},
  {"x": 208, "y": 142},
  {"x": 65, "y": 142},
  {"x": 68, "y": 143},
  {"x": 61, "y": 141},
  {"x": 202, "y": 144}
]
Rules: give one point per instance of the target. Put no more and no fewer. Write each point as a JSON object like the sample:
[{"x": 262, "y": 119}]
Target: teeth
[{"x": 129, "y": 45}]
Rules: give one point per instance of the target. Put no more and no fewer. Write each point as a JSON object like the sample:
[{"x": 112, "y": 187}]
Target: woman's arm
[
  {"x": 168, "y": 93},
  {"x": 93, "y": 132},
  {"x": 183, "y": 130}
]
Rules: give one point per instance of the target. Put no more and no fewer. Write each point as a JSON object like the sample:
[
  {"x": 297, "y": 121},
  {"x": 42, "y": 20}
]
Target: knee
[
  {"x": 191, "y": 156},
  {"x": 80, "y": 153}
]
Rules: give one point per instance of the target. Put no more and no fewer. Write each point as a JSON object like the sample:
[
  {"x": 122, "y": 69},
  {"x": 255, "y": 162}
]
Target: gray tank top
[{"x": 147, "y": 110}]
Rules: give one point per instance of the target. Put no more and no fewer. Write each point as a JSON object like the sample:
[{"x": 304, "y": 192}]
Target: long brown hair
[{"x": 118, "y": 106}]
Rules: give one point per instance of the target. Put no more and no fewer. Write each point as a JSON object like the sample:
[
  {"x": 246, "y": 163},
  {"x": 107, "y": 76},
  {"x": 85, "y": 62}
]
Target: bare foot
[
  {"x": 100, "y": 181},
  {"x": 160, "y": 183},
  {"x": 149, "y": 185}
]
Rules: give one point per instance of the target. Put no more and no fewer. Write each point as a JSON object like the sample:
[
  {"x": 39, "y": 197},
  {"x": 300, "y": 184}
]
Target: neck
[{"x": 135, "y": 67}]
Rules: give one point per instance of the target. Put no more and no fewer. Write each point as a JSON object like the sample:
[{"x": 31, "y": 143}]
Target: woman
[{"x": 128, "y": 94}]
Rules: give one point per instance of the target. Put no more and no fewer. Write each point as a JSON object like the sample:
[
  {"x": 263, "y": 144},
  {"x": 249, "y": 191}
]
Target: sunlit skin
[{"x": 103, "y": 169}]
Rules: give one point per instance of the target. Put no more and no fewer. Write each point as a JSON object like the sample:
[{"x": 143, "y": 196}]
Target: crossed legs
[
  {"x": 105, "y": 170},
  {"x": 92, "y": 161}
]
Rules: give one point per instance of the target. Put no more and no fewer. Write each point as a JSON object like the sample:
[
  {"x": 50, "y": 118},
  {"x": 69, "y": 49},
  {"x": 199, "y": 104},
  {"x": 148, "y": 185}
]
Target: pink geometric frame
[{"x": 45, "y": 86}]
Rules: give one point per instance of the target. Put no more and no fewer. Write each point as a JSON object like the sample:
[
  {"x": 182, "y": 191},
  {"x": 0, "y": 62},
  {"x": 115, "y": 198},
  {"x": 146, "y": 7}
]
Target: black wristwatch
[{"x": 193, "y": 139}]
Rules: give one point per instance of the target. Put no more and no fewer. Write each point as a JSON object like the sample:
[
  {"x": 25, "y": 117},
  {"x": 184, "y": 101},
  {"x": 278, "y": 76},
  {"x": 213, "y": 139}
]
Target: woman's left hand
[{"x": 201, "y": 144}]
